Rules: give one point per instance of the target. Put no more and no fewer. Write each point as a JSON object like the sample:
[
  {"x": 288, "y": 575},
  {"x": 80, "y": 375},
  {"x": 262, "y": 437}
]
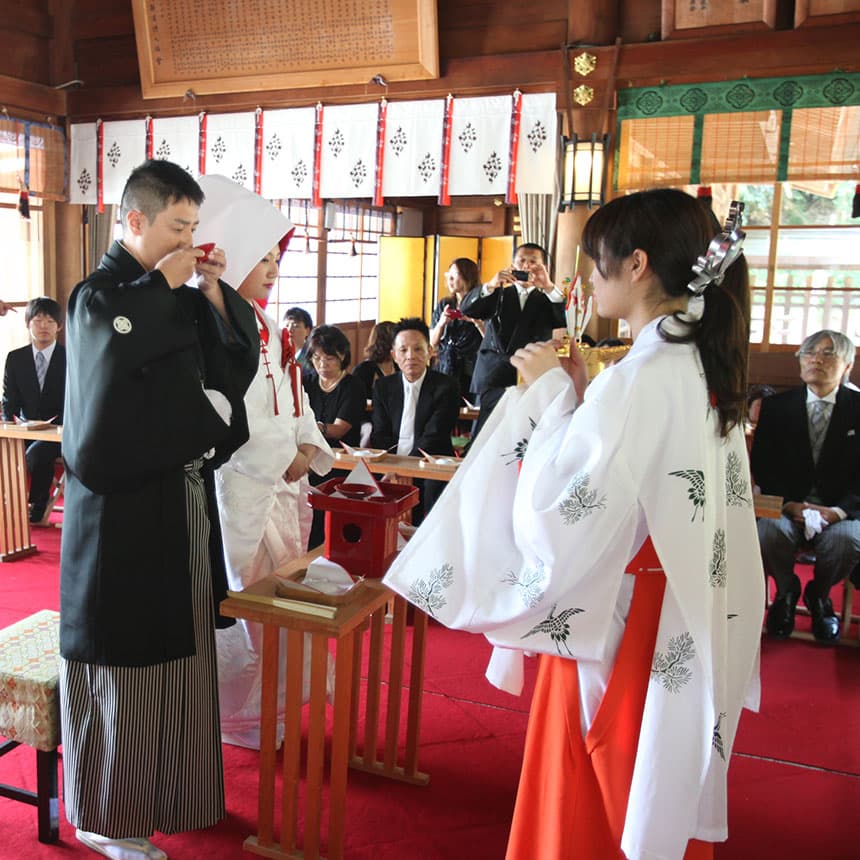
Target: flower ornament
[{"x": 722, "y": 252}]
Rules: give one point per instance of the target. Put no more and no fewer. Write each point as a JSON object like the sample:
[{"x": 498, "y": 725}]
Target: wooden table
[
  {"x": 14, "y": 515},
  {"x": 394, "y": 464},
  {"x": 346, "y": 631}
]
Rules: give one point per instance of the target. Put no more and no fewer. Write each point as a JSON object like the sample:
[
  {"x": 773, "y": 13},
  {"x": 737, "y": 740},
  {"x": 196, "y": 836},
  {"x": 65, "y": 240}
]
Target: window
[
  {"x": 343, "y": 255},
  {"x": 24, "y": 277},
  {"x": 801, "y": 251}
]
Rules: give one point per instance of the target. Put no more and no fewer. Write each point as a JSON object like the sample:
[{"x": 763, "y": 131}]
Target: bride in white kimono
[
  {"x": 557, "y": 500},
  {"x": 262, "y": 490}
]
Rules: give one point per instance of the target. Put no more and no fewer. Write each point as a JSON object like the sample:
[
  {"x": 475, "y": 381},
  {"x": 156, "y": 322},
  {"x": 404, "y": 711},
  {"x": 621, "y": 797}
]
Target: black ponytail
[{"x": 674, "y": 229}]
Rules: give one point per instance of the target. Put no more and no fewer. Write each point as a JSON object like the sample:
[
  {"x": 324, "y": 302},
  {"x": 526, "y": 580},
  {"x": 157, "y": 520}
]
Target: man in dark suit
[
  {"x": 807, "y": 450},
  {"x": 34, "y": 385},
  {"x": 416, "y": 409},
  {"x": 521, "y": 305}
]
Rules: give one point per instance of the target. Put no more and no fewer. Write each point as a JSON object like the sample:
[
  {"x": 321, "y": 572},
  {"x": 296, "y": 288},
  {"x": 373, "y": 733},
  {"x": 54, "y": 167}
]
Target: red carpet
[{"x": 794, "y": 785}]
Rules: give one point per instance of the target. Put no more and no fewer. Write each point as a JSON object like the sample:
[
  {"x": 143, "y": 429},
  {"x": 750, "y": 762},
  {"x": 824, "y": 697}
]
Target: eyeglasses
[
  {"x": 825, "y": 355},
  {"x": 324, "y": 358}
]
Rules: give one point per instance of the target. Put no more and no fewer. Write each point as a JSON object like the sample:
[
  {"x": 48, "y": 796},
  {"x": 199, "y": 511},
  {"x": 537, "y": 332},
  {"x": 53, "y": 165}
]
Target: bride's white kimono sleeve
[{"x": 530, "y": 541}]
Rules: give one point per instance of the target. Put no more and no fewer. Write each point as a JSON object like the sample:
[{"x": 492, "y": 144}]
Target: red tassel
[
  {"x": 855, "y": 206},
  {"x": 24, "y": 203},
  {"x": 294, "y": 369}
]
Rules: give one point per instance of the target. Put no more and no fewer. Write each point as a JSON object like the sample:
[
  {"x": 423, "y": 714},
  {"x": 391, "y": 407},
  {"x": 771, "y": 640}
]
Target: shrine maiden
[
  {"x": 642, "y": 676},
  {"x": 262, "y": 490}
]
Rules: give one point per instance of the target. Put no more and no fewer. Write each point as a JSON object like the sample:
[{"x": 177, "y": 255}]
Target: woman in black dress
[
  {"x": 377, "y": 356},
  {"x": 456, "y": 338},
  {"x": 337, "y": 399}
]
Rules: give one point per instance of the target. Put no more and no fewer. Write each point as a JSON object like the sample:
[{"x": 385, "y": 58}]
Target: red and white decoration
[
  {"x": 480, "y": 145},
  {"x": 537, "y": 152},
  {"x": 123, "y": 148},
  {"x": 339, "y": 151},
  {"x": 230, "y": 147},
  {"x": 177, "y": 139},
  {"x": 83, "y": 164},
  {"x": 348, "y": 158},
  {"x": 287, "y": 158},
  {"x": 413, "y": 148}
]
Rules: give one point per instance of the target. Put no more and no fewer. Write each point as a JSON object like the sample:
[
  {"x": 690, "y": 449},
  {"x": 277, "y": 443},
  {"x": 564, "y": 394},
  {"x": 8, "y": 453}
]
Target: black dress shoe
[
  {"x": 825, "y": 624},
  {"x": 780, "y": 616}
]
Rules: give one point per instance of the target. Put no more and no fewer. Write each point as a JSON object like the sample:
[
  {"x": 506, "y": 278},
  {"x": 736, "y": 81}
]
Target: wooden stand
[
  {"x": 15, "y": 517},
  {"x": 346, "y": 631}
]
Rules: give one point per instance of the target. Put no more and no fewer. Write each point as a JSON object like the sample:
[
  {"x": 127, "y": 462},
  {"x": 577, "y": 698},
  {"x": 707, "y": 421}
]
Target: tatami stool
[{"x": 29, "y": 709}]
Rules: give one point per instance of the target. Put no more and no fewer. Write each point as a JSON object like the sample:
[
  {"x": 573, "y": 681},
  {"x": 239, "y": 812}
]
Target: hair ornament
[{"x": 722, "y": 252}]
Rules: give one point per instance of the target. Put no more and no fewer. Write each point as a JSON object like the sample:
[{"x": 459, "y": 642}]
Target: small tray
[
  {"x": 288, "y": 586},
  {"x": 450, "y": 464},
  {"x": 362, "y": 453}
]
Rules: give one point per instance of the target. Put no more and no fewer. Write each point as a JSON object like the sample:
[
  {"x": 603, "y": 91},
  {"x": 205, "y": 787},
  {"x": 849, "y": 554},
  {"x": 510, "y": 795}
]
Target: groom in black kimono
[{"x": 157, "y": 371}]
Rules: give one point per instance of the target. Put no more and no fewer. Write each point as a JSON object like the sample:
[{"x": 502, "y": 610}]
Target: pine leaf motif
[
  {"x": 696, "y": 492},
  {"x": 521, "y": 447},
  {"x": 580, "y": 501},
  {"x": 718, "y": 560},
  {"x": 556, "y": 626},
  {"x": 427, "y": 594},
  {"x": 667, "y": 668},
  {"x": 529, "y": 581},
  {"x": 718, "y": 738},
  {"x": 737, "y": 489}
]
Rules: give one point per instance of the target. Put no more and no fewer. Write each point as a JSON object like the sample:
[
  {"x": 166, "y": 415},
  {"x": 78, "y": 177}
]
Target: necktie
[
  {"x": 407, "y": 423},
  {"x": 819, "y": 418},
  {"x": 41, "y": 369}
]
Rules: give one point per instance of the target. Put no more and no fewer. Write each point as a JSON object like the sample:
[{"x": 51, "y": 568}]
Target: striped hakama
[{"x": 142, "y": 744}]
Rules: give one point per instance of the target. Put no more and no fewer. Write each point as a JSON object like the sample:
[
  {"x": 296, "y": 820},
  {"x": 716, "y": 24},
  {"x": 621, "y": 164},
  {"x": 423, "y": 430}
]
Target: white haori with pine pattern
[
  {"x": 537, "y": 152},
  {"x": 287, "y": 166},
  {"x": 177, "y": 139},
  {"x": 348, "y": 161},
  {"x": 83, "y": 163},
  {"x": 535, "y": 561},
  {"x": 123, "y": 149},
  {"x": 480, "y": 145},
  {"x": 230, "y": 146},
  {"x": 413, "y": 148}
]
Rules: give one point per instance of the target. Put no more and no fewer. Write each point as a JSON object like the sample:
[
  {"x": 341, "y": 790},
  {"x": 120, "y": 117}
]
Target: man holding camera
[{"x": 521, "y": 305}]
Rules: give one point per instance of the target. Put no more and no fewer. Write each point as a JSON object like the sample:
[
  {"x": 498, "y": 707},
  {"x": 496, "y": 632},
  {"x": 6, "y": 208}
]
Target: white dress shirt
[{"x": 411, "y": 392}]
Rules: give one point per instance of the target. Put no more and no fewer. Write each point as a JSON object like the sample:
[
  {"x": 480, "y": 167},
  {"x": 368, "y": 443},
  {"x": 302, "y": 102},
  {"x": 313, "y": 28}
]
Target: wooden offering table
[
  {"x": 14, "y": 517},
  {"x": 345, "y": 629}
]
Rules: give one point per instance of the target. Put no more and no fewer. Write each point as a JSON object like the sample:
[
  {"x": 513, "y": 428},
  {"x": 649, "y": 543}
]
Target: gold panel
[
  {"x": 401, "y": 277},
  {"x": 496, "y": 254},
  {"x": 225, "y": 46}
]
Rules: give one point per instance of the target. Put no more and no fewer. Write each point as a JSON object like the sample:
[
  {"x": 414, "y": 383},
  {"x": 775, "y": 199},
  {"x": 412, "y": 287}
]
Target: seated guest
[
  {"x": 377, "y": 356},
  {"x": 521, "y": 305},
  {"x": 417, "y": 409},
  {"x": 34, "y": 385},
  {"x": 337, "y": 399},
  {"x": 807, "y": 450},
  {"x": 298, "y": 324}
]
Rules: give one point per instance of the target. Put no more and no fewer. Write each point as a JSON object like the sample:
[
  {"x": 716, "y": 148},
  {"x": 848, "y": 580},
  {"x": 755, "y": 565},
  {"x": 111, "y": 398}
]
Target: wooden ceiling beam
[
  {"x": 773, "y": 54},
  {"x": 28, "y": 100}
]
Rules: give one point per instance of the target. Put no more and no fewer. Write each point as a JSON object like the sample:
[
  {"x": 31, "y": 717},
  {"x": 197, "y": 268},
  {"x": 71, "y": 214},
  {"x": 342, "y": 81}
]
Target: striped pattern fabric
[{"x": 142, "y": 746}]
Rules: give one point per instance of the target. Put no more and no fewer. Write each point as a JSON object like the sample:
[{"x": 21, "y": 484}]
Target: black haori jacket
[{"x": 139, "y": 356}]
